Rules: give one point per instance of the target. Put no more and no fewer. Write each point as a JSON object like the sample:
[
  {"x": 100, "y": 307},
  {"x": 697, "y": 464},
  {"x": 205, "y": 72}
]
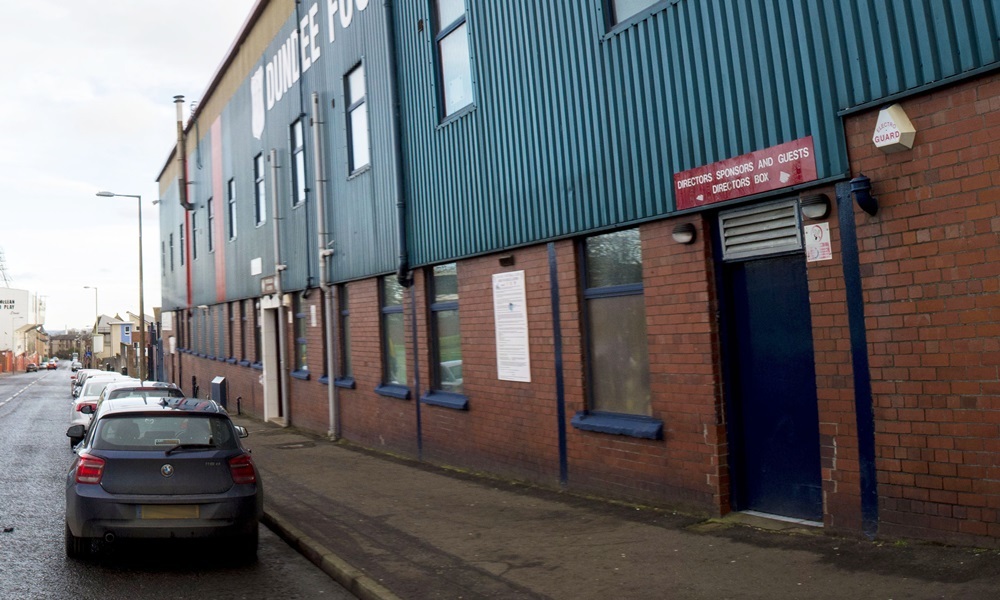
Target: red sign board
[{"x": 760, "y": 171}]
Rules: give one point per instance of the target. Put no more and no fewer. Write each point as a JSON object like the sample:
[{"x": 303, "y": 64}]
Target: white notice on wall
[
  {"x": 818, "y": 245},
  {"x": 510, "y": 311}
]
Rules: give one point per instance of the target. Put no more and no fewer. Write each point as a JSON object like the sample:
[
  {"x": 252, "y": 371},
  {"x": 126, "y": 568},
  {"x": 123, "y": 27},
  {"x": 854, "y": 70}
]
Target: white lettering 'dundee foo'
[{"x": 300, "y": 51}]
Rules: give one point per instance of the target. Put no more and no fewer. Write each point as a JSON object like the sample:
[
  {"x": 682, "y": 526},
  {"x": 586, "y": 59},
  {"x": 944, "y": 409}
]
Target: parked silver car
[{"x": 162, "y": 468}]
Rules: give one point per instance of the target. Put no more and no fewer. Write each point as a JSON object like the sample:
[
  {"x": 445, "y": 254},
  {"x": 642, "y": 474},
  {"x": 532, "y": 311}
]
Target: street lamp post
[{"x": 142, "y": 311}]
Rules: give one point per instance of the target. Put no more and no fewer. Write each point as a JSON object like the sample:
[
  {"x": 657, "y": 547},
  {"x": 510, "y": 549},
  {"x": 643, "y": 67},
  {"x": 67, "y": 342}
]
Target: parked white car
[
  {"x": 81, "y": 377},
  {"x": 89, "y": 394}
]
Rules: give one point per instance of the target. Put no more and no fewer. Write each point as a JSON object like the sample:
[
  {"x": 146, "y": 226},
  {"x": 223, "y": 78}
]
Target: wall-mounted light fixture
[
  {"x": 815, "y": 206},
  {"x": 203, "y": 306},
  {"x": 507, "y": 260},
  {"x": 685, "y": 233},
  {"x": 861, "y": 189}
]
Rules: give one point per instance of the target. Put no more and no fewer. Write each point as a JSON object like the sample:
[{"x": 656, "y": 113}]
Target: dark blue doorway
[{"x": 772, "y": 388}]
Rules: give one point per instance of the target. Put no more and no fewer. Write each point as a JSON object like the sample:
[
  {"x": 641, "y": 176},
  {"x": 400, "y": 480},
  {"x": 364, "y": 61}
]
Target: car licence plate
[{"x": 168, "y": 511}]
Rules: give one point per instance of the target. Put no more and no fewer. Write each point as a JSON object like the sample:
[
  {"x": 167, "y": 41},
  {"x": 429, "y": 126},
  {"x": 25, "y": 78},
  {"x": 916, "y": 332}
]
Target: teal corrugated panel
[{"x": 576, "y": 129}]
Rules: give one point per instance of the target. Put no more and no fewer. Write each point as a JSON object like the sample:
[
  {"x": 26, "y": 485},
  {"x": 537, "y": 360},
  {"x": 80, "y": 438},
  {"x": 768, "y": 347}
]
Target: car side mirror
[
  {"x": 87, "y": 409},
  {"x": 75, "y": 431},
  {"x": 240, "y": 431}
]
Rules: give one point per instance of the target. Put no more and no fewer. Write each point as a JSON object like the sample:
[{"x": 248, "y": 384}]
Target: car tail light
[
  {"x": 89, "y": 469},
  {"x": 242, "y": 469}
]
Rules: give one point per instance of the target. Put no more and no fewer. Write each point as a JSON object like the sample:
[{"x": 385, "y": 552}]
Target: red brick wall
[
  {"x": 834, "y": 381},
  {"x": 930, "y": 264},
  {"x": 242, "y": 382},
  {"x": 510, "y": 428},
  {"x": 366, "y": 417},
  {"x": 308, "y": 400}
]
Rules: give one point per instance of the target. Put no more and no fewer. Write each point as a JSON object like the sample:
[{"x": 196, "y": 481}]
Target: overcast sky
[{"x": 86, "y": 104}]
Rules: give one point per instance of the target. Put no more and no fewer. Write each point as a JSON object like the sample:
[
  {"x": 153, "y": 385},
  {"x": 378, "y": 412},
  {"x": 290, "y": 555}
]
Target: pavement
[{"x": 386, "y": 527}]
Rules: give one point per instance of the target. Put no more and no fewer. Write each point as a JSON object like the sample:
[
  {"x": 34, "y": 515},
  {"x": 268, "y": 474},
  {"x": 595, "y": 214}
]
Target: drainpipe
[
  {"x": 403, "y": 269},
  {"x": 181, "y": 154},
  {"x": 297, "y": 59},
  {"x": 278, "y": 268},
  {"x": 324, "y": 257},
  {"x": 182, "y": 193}
]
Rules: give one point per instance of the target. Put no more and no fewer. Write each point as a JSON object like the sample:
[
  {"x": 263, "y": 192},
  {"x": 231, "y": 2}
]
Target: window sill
[
  {"x": 257, "y": 366},
  {"x": 618, "y": 424},
  {"x": 638, "y": 17},
  {"x": 457, "y": 115},
  {"x": 344, "y": 382},
  {"x": 359, "y": 172},
  {"x": 244, "y": 363},
  {"x": 231, "y": 360},
  {"x": 393, "y": 390},
  {"x": 446, "y": 400},
  {"x": 303, "y": 375}
]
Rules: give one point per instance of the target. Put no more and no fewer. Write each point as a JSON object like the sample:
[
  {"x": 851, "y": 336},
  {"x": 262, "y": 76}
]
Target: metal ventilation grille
[{"x": 760, "y": 230}]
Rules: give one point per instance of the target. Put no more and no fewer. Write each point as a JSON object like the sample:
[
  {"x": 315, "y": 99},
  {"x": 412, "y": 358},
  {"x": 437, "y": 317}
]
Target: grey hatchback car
[{"x": 162, "y": 468}]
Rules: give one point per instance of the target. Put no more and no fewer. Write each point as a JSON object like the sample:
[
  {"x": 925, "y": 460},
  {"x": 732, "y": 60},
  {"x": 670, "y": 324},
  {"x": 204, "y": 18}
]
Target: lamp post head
[{"x": 106, "y": 194}]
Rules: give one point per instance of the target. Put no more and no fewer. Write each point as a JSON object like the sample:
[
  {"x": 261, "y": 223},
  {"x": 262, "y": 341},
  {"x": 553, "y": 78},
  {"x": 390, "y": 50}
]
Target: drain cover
[{"x": 296, "y": 446}]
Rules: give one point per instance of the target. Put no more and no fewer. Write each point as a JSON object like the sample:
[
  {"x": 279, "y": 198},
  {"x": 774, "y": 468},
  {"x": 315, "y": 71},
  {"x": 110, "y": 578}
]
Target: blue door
[{"x": 772, "y": 388}]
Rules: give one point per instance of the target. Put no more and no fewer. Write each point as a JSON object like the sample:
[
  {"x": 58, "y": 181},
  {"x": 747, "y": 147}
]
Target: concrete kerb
[{"x": 356, "y": 582}]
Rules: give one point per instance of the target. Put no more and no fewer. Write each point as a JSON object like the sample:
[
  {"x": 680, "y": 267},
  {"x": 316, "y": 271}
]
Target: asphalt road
[{"x": 34, "y": 459}]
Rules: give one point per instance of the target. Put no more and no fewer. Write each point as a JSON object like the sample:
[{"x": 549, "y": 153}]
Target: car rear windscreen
[{"x": 163, "y": 431}]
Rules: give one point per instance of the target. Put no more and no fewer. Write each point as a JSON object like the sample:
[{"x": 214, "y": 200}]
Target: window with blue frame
[
  {"x": 298, "y": 164},
  {"x": 181, "y": 239},
  {"x": 393, "y": 333},
  {"x": 454, "y": 61},
  {"x": 220, "y": 325},
  {"x": 243, "y": 331},
  {"x": 446, "y": 336},
  {"x": 358, "y": 147},
  {"x": 231, "y": 201},
  {"x": 256, "y": 333},
  {"x": 259, "y": 190},
  {"x": 210, "y": 332},
  {"x": 211, "y": 224},
  {"x": 231, "y": 314},
  {"x": 346, "y": 368},
  {"x": 194, "y": 235},
  {"x": 617, "y": 349},
  {"x": 299, "y": 320}
]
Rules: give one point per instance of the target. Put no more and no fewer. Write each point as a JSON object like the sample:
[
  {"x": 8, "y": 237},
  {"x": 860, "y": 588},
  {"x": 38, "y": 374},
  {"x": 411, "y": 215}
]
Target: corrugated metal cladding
[
  {"x": 360, "y": 208},
  {"x": 576, "y": 127},
  {"x": 173, "y": 284}
]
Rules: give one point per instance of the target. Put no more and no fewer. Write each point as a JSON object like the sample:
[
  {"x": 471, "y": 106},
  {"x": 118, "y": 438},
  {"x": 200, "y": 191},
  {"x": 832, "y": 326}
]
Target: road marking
[{"x": 19, "y": 392}]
